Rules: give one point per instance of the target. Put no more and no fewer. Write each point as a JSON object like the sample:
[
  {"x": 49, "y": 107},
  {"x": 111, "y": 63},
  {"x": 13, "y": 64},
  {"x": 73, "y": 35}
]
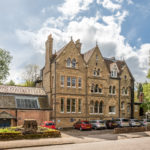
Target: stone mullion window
[
  {"x": 73, "y": 110},
  {"x": 74, "y": 82},
  {"x": 68, "y": 81},
  {"x": 79, "y": 105},
  {"x": 79, "y": 83},
  {"x": 68, "y": 105},
  {"x": 96, "y": 107},
  {"x": 101, "y": 107},
  {"x": 62, "y": 81},
  {"x": 112, "y": 109},
  {"x": 62, "y": 105}
]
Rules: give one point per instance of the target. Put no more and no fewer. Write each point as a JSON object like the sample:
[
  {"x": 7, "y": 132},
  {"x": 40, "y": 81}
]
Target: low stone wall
[{"x": 131, "y": 129}]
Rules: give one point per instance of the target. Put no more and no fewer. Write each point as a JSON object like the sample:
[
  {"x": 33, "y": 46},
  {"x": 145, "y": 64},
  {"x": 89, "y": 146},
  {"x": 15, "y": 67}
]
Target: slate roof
[
  {"x": 18, "y": 90},
  {"x": 88, "y": 54}
]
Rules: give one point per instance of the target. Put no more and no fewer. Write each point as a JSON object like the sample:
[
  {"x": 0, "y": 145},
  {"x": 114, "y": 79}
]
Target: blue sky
[{"x": 121, "y": 28}]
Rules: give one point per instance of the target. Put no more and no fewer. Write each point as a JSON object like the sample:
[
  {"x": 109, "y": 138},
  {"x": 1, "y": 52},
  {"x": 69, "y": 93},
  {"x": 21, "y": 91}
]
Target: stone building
[
  {"x": 71, "y": 86},
  {"x": 85, "y": 86}
]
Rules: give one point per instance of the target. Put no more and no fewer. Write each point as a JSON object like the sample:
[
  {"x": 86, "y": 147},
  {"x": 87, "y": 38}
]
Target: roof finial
[{"x": 96, "y": 43}]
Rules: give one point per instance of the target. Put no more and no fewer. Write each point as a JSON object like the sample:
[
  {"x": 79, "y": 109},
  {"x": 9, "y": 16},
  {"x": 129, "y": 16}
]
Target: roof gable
[{"x": 5, "y": 115}]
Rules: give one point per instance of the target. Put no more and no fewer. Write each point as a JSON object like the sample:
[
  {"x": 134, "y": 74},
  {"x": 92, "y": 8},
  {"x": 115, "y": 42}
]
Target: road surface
[{"x": 126, "y": 144}]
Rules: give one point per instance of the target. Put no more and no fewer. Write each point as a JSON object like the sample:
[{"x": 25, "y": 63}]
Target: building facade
[{"x": 85, "y": 86}]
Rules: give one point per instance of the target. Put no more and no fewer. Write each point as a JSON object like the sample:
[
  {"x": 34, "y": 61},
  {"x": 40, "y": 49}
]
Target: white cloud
[
  {"x": 130, "y": 2},
  {"x": 106, "y": 30},
  {"x": 72, "y": 7},
  {"x": 109, "y": 4}
]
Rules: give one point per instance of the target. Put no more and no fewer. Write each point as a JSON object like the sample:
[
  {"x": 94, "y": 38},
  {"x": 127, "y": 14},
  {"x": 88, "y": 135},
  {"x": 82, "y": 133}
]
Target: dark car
[
  {"x": 82, "y": 125},
  {"x": 111, "y": 124},
  {"x": 98, "y": 124},
  {"x": 134, "y": 123}
]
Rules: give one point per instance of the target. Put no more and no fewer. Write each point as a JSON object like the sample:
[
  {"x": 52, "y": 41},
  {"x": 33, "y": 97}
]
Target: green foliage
[
  {"x": 148, "y": 74},
  {"x": 11, "y": 83},
  {"x": 146, "y": 91},
  {"x": 5, "y": 60},
  {"x": 29, "y": 83}
]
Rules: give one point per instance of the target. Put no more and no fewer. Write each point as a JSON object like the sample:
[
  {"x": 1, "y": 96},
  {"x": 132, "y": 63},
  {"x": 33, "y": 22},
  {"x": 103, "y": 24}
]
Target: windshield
[
  {"x": 125, "y": 120},
  {"x": 101, "y": 121},
  {"x": 85, "y": 122},
  {"x": 49, "y": 124}
]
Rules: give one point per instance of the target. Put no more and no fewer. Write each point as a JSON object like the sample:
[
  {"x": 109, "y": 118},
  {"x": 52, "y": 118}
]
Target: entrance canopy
[{"x": 5, "y": 115}]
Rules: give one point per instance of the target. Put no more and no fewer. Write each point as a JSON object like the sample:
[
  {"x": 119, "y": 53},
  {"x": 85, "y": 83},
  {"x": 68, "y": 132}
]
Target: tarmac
[{"x": 67, "y": 139}]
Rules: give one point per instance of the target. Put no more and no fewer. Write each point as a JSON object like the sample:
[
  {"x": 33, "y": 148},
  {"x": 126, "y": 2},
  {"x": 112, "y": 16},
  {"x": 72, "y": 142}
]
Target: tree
[
  {"x": 30, "y": 74},
  {"x": 5, "y": 59},
  {"x": 148, "y": 74},
  {"x": 11, "y": 83}
]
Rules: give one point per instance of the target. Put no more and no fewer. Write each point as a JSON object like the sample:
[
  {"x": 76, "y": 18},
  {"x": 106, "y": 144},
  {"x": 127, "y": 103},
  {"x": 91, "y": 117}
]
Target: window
[
  {"x": 96, "y": 88},
  {"x": 73, "y": 63},
  {"x": 79, "y": 105},
  {"x": 62, "y": 105},
  {"x": 68, "y": 105},
  {"x": 114, "y": 73},
  {"x": 128, "y": 108},
  {"x": 125, "y": 77},
  {"x": 122, "y": 105},
  {"x": 126, "y": 91},
  {"x": 91, "y": 107},
  {"x": 79, "y": 83},
  {"x": 96, "y": 57},
  {"x": 27, "y": 102},
  {"x": 62, "y": 81},
  {"x": 73, "y": 82},
  {"x": 101, "y": 107},
  {"x": 100, "y": 90},
  {"x": 110, "y": 89},
  {"x": 68, "y": 81},
  {"x": 96, "y": 107},
  {"x": 73, "y": 105},
  {"x": 114, "y": 90},
  {"x": 123, "y": 90},
  {"x": 68, "y": 62},
  {"x": 98, "y": 72},
  {"x": 112, "y": 109},
  {"x": 94, "y": 73}
]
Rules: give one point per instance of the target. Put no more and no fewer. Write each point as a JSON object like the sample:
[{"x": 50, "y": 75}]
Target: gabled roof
[
  {"x": 18, "y": 90},
  {"x": 88, "y": 54},
  {"x": 5, "y": 115}
]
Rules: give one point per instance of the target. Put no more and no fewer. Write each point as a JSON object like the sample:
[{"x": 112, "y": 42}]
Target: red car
[
  {"x": 48, "y": 124},
  {"x": 82, "y": 125}
]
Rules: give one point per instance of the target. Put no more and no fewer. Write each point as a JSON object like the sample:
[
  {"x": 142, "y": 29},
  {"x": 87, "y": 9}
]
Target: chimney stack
[{"x": 78, "y": 45}]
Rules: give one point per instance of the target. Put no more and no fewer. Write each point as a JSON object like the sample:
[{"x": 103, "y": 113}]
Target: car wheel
[
  {"x": 81, "y": 129},
  {"x": 95, "y": 128}
]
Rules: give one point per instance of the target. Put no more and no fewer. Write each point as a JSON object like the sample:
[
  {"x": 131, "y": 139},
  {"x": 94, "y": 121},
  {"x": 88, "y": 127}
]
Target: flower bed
[{"x": 15, "y": 133}]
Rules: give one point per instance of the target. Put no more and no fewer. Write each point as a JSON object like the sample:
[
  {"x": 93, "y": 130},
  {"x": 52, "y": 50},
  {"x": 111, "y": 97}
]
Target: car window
[
  {"x": 85, "y": 122},
  {"x": 117, "y": 120},
  {"x": 101, "y": 121},
  {"x": 49, "y": 124},
  {"x": 125, "y": 120}
]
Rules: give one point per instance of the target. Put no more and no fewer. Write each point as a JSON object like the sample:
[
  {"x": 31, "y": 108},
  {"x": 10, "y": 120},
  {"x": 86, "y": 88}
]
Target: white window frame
[
  {"x": 69, "y": 81},
  {"x": 62, "y": 81},
  {"x": 73, "y": 80},
  {"x": 112, "y": 112}
]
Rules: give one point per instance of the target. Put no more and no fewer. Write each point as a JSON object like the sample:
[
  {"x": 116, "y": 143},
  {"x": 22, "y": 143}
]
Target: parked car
[
  {"x": 122, "y": 122},
  {"x": 134, "y": 123},
  {"x": 82, "y": 125},
  {"x": 48, "y": 124},
  {"x": 111, "y": 124},
  {"x": 145, "y": 122},
  {"x": 98, "y": 124}
]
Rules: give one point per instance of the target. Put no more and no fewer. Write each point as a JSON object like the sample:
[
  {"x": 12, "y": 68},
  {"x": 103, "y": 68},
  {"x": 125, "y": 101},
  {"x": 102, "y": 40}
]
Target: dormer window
[
  {"x": 73, "y": 63},
  {"x": 125, "y": 77},
  {"x": 114, "y": 73},
  {"x": 68, "y": 62},
  {"x": 94, "y": 73}
]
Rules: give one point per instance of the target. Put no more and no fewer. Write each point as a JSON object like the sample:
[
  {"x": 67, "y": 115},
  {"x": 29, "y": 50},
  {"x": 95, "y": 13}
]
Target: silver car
[
  {"x": 98, "y": 124},
  {"x": 134, "y": 123},
  {"x": 122, "y": 122},
  {"x": 145, "y": 122}
]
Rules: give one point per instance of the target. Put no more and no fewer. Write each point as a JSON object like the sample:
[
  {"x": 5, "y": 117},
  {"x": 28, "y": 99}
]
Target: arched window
[
  {"x": 96, "y": 88},
  {"x": 68, "y": 62},
  {"x": 123, "y": 90},
  {"x": 96, "y": 107},
  {"x": 126, "y": 91},
  {"x": 110, "y": 89},
  {"x": 98, "y": 72},
  {"x": 73, "y": 63},
  {"x": 114, "y": 90},
  {"x": 122, "y": 105},
  {"x": 94, "y": 72},
  {"x": 101, "y": 107},
  {"x": 91, "y": 107}
]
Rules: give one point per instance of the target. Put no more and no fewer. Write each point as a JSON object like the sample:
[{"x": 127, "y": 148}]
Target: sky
[{"x": 121, "y": 28}]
